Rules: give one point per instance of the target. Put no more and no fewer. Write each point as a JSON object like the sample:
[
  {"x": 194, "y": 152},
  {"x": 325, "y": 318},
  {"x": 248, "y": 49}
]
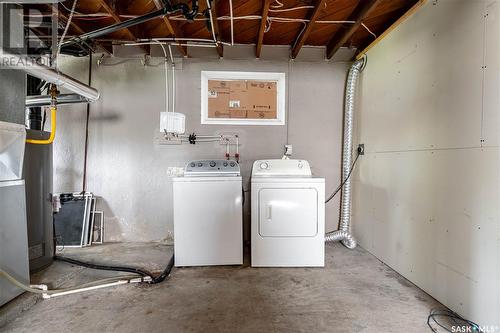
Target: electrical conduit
[{"x": 344, "y": 233}]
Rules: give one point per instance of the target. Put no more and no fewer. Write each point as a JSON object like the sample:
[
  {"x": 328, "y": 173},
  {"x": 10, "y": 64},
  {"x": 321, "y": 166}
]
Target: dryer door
[{"x": 288, "y": 212}]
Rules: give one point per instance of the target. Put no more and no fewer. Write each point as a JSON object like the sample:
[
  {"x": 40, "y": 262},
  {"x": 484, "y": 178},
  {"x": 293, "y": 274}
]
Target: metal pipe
[
  {"x": 173, "y": 39},
  {"x": 116, "y": 27},
  {"x": 55, "y": 32},
  {"x": 165, "y": 66},
  {"x": 45, "y": 100},
  {"x": 218, "y": 137},
  {"x": 232, "y": 21},
  {"x": 344, "y": 233},
  {"x": 182, "y": 7},
  {"x": 176, "y": 44},
  {"x": 209, "y": 6},
  {"x": 32, "y": 67},
  {"x": 173, "y": 78}
]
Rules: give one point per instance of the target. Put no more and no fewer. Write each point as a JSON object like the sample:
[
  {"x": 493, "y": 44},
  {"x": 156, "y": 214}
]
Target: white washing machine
[
  {"x": 208, "y": 227},
  {"x": 288, "y": 215}
]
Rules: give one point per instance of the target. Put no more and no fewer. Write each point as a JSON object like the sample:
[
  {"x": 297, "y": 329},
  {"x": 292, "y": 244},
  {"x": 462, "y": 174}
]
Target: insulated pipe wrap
[
  {"x": 48, "y": 74},
  {"x": 343, "y": 234}
]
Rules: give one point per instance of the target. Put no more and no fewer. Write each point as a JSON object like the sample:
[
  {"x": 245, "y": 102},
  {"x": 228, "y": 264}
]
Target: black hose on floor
[
  {"x": 105, "y": 267},
  {"x": 160, "y": 278},
  {"x": 154, "y": 280}
]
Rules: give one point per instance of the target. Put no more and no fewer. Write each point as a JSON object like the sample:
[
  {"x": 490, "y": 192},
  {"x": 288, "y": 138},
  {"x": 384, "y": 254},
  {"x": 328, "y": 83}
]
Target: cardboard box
[{"x": 242, "y": 99}]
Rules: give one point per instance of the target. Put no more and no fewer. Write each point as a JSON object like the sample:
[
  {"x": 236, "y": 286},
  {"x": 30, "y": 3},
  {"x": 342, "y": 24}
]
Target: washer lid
[{"x": 288, "y": 168}]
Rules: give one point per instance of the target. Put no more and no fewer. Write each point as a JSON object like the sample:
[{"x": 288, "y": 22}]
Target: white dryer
[
  {"x": 208, "y": 214},
  {"x": 288, "y": 215}
]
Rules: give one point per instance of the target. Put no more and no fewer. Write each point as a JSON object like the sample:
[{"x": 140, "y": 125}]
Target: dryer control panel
[
  {"x": 207, "y": 168},
  {"x": 285, "y": 168}
]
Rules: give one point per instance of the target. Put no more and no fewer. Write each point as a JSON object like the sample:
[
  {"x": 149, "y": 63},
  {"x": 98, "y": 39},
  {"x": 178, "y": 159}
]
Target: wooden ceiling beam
[
  {"x": 403, "y": 18},
  {"x": 364, "y": 8},
  {"x": 305, "y": 34},
  {"x": 262, "y": 29},
  {"x": 215, "y": 28},
  {"x": 78, "y": 29},
  {"x": 117, "y": 19},
  {"x": 173, "y": 32}
]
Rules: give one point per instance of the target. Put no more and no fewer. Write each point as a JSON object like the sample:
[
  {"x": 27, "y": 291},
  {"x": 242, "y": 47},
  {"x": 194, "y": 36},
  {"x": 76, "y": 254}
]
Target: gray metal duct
[
  {"x": 344, "y": 233},
  {"x": 46, "y": 100},
  {"x": 48, "y": 74}
]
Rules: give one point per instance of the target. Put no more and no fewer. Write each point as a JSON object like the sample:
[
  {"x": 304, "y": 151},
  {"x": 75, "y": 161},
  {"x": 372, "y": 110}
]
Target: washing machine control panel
[
  {"x": 268, "y": 168},
  {"x": 205, "y": 168}
]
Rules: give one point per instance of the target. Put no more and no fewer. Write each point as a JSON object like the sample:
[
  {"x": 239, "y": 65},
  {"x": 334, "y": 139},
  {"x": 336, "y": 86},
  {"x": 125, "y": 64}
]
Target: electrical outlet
[
  {"x": 288, "y": 150},
  {"x": 361, "y": 149}
]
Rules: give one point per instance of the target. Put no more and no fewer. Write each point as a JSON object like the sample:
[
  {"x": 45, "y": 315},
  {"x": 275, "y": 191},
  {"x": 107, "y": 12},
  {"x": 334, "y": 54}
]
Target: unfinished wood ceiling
[{"x": 329, "y": 23}]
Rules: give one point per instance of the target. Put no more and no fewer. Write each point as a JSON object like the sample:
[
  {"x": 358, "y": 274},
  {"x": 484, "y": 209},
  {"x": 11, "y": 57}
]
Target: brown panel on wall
[{"x": 242, "y": 99}]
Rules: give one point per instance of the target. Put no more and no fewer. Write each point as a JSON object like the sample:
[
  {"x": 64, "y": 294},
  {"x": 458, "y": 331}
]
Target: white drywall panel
[
  {"x": 426, "y": 195},
  {"x": 433, "y": 216},
  {"x": 424, "y": 82}
]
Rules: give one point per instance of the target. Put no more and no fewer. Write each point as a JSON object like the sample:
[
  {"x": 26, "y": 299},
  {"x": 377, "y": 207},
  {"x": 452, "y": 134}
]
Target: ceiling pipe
[
  {"x": 45, "y": 100},
  {"x": 32, "y": 67},
  {"x": 188, "y": 13},
  {"x": 115, "y": 27}
]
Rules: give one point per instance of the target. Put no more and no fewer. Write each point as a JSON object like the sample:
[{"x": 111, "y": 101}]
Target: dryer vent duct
[{"x": 344, "y": 233}]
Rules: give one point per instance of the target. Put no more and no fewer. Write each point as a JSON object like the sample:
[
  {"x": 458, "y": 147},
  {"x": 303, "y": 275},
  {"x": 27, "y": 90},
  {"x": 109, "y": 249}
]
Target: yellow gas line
[
  {"x": 53, "y": 111},
  {"x": 53, "y": 119}
]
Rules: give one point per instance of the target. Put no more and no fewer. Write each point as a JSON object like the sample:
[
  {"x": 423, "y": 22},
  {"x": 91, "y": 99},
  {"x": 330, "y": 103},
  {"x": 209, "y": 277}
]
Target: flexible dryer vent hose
[{"x": 344, "y": 233}]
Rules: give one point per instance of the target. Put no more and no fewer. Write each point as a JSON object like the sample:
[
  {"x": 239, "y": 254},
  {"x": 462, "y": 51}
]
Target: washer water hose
[
  {"x": 139, "y": 276},
  {"x": 46, "y": 293},
  {"x": 344, "y": 233}
]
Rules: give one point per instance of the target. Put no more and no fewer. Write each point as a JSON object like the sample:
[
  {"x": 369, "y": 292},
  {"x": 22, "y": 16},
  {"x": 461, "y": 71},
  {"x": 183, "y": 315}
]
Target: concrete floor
[{"x": 355, "y": 292}]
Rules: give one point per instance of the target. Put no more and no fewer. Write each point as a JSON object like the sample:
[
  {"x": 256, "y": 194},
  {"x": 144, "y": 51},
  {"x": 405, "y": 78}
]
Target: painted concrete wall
[
  {"x": 426, "y": 194},
  {"x": 128, "y": 166}
]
